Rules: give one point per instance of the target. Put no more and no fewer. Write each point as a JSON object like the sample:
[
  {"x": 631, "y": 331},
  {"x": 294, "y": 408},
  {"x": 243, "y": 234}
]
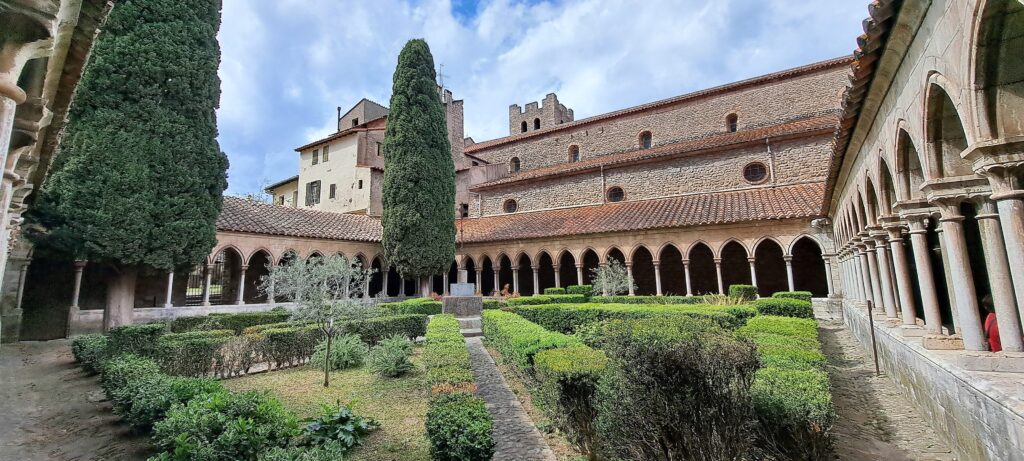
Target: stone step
[
  {"x": 471, "y": 332},
  {"x": 469, "y": 322}
]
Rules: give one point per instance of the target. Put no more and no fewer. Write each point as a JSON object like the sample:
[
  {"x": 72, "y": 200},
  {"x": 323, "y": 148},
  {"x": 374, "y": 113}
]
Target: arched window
[
  {"x": 645, "y": 140},
  {"x": 514, "y": 165},
  {"x": 574, "y": 153},
  {"x": 523, "y": 126},
  {"x": 536, "y": 123},
  {"x": 731, "y": 123},
  {"x": 510, "y": 206},
  {"x": 755, "y": 172},
  {"x": 616, "y": 194}
]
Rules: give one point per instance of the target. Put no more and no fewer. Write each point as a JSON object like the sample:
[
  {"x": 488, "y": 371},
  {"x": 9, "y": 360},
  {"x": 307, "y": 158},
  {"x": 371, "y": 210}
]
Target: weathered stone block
[
  {"x": 911, "y": 331},
  {"x": 462, "y": 306},
  {"x": 1007, "y": 362},
  {"x": 462, "y": 289},
  {"x": 942, "y": 343}
]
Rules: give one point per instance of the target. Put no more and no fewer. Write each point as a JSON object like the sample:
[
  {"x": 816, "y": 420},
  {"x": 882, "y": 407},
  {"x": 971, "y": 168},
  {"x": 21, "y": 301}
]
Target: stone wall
[
  {"x": 980, "y": 414},
  {"x": 759, "y": 105}
]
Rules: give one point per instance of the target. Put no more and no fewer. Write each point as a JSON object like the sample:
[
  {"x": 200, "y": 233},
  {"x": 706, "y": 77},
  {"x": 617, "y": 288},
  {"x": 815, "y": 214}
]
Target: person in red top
[{"x": 991, "y": 325}]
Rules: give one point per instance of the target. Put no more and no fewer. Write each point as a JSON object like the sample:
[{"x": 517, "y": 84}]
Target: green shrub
[
  {"x": 622, "y": 299},
  {"x": 241, "y": 321},
  {"x": 795, "y": 412},
  {"x": 741, "y": 312},
  {"x": 566, "y": 318},
  {"x": 374, "y": 330},
  {"x": 268, "y": 326},
  {"x": 339, "y": 424},
  {"x": 225, "y": 426},
  {"x": 459, "y": 428},
  {"x": 347, "y": 351},
  {"x": 288, "y": 346},
  {"x": 786, "y": 326},
  {"x": 89, "y": 351},
  {"x": 493, "y": 304},
  {"x": 424, "y": 306},
  {"x": 787, "y": 307},
  {"x": 331, "y": 451},
  {"x": 445, "y": 356},
  {"x": 801, "y": 295},
  {"x": 120, "y": 374},
  {"x": 152, "y": 401},
  {"x": 390, "y": 357},
  {"x": 744, "y": 292},
  {"x": 196, "y": 323},
  {"x": 554, "y": 291},
  {"x": 135, "y": 339},
  {"x": 568, "y": 384},
  {"x": 545, "y": 299},
  {"x": 194, "y": 353},
  {"x": 585, "y": 290},
  {"x": 670, "y": 382},
  {"x": 518, "y": 339}
]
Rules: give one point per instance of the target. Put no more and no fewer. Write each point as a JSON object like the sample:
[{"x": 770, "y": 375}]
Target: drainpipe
[
  {"x": 771, "y": 159},
  {"x": 604, "y": 199}
]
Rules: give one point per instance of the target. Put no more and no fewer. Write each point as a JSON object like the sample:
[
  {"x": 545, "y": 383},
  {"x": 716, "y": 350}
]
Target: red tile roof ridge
[{"x": 243, "y": 215}]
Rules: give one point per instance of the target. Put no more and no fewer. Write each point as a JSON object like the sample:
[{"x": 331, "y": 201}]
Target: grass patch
[{"x": 398, "y": 404}]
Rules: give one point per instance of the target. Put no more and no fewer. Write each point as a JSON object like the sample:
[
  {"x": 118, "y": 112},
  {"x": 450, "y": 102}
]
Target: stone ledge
[
  {"x": 942, "y": 343},
  {"x": 1005, "y": 362}
]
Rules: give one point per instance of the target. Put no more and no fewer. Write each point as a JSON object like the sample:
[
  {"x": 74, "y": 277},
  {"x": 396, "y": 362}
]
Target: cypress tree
[
  {"x": 139, "y": 175},
  {"x": 419, "y": 174}
]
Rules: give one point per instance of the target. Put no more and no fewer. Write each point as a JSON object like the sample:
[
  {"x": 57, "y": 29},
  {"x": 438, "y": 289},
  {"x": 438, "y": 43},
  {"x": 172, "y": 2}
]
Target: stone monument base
[{"x": 462, "y": 306}]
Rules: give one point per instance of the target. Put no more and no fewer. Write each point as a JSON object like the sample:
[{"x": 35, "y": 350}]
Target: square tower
[{"x": 537, "y": 117}]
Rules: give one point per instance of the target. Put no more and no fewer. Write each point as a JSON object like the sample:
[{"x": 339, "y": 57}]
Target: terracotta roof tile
[
  {"x": 242, "y": 215},
  {"x": 821, "y": 123},
  {"x": 757, "y": 204}
]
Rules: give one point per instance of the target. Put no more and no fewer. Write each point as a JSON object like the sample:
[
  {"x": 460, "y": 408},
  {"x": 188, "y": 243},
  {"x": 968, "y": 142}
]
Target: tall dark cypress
[
  {"x": 139, "y": 174},
  {"x": 419, "y": 174}
]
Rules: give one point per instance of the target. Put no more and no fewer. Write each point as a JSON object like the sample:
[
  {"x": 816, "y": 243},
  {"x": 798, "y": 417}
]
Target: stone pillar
[
  {"x": 558, "y": 276},
  {"x": 828, "y": 275},
  {"x": 366, "y": 285},
  {"x": 904, "y": 286},
  {"x": 925, "y": 277},
  {"x": 629, "y": 276},
  {"x": 865, "y": 273},
  {"x": 999, "y": 278},
  {"x": 444, "y": 288},
  {"x": 169, "y": 300},
  {"x": 604, "y": 287},
  {"x": 718, "y": 273},
  {"x": 789, "y": 272},
  {"x": 1009, "y": 197},
  {"x": 206, "y": 284},
  {"x": 515, "y": 279},
  {"x": 753, "y": 273},
  {"x": 885, "y": 277},
  {"x": 241, "y": 285},
  {"x": 579, "y": 273},
  {"x": 479, "y": 281},
  {"x": 76, "y": 289},
  {"x": 686, "y": 271},
  {"x": 536, "y": 280},
  {"x": 497, "y": 285},
  {"x": 388, "y": 271},
  {"x": 959, "y": 270},
  {"x": 657, "y": 278}
]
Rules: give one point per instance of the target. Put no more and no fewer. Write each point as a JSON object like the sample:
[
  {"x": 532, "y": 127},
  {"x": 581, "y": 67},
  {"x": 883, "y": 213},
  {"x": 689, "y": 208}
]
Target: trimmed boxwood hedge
[
  {"x": 425, "y": 306},
  {"x": 193, "y": 353},
  {"x": 459, "y": 428},
  {"x": 445, "y": 356},
  {"x": 787, "y": 307},
  {"x": 494, "y": 303},
  {"x": 744, "y": 292},
  {"x": 89, "y": 350},
  {"x": 235, "y": 322},
  {"x": 554, "y": 291},
  {"x": 566, "y": 318},
  {"x": 585, "y": 290},
  {"x": 622, "y": 299},
  {"x": 135, "y": 339},
  {"x": 545, "y": 299},
  {"x": 567, "y": 390},
  {"x": 518, "y": 339},
  {"x": 801, "y": 295},
  {"x": 374, "y": 330}
]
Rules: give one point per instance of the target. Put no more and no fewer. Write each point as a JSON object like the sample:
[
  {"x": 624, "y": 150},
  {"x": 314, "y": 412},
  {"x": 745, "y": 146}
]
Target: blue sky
[{"x": 288, "y": 64}]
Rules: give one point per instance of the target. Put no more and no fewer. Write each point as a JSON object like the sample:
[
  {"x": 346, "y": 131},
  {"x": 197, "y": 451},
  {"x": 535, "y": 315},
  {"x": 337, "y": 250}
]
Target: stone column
[
  {"x": 885, "y": 277},
  {"x": 77, "y": 287},
  {"x": 999, "y": 278},
  {"x": 789, "y": 272},
  {"x": 872, "y": 260},
  {"x": 718, "y": 272},
  {"x": 1009, "y": 197},
  {"x": 902, "y": 274},
  {"x": 515, "y": 279},
  {"x": 959, "y": 270},
  {"x": 828, "y": 275},
  {"x": 240, "y": 300},
  {"x": 536, "y": 280},
  {"x": 753, "y": 273},
  {"x": 686, "y": 271},
  {"x": 169, "y": 300},
  {"x": 497, "y": 281},
  {"x": 579, "y": 273},
  {"x": 480, "y": 281},
  {"x": 366, "y": 286},
  {"x": 22, "y": 275},
  {"x": 604, "y": 287},
  {"x": 865, "y": 273},
  {"x": 629, "y": 276},
  {"x": 657, "y": 277},
  {"x": 558, "y": 276},
  {"x": 206, "y": 284},
  {"x": 444, "y": 288},
  {"x": 925, "y": 276},
  {"x": 388, "y": 271}
]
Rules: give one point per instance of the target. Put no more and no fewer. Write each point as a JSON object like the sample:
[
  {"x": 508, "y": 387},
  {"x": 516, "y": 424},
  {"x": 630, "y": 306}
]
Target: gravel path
[
  {"x": 875, "y": 420},
  {"x": 514, "y": 433},
  {"x": 51, "y": 410}
]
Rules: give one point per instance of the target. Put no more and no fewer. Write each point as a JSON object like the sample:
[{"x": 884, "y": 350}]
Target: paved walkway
[
  {"x": 875, "y": 420},
  {"x": 51, "y": 410},
  {"x": 514, "y": 433}
]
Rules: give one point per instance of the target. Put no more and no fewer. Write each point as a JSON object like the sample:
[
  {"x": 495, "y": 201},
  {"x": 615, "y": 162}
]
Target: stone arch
[
  {"x": 998, "y": 67},
  {"x": 770, "y": 267},
  {"x": 225, "y": 276},
  {"x": 703, "y": 276},
  {"x": 376, "y": 277},
  {"x": 886, "y": 187},
  {"x": 514, "y": 164},
  {"x": 858, "y": 206},
  {"x": 487, "y": 272},
  {"x": 808, "y": 266},
  {"x": 567, "y": 268},
  {"x": 545, "y": 271},
  {"x": 470, "y": 266},
  {"x": 673, "y": 275},
  {"x": 505, "y": 269},
  {"x": 613, "y": 250},
  {"x": 643, "y": 271},
  {"x": 591, "y": 261},
  {"x": 269, "y": 255},
  {"x": 946, "y": 137},
  {"x": 258, "y": 267},
  {"x": 524, "y": 266},
  {"x": 909, "y": 171},
  {"x": 213, "y": 254},
  {"x": 870, "y": 201},
  {"x": 735, "y": 266}
]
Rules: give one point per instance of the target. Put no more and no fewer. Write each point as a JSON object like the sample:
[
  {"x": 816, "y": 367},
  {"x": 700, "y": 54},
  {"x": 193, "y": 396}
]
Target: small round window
[
  {"x": 510, "y": 206},
  {"x": 755, "y": 172},
  {"x": 616, "y": 194}
]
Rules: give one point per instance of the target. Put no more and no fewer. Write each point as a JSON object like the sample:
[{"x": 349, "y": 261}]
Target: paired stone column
[
  {"x": 388, "y": 272},
  {"x": 168, "y": 299},
  {"x": 515, "y": 279},
  {"x": 884, "y": 275},
  {"x": 444, "y": 280},
  {"x": 864, "y": 273},
  {"x": 629, "y": 276},
  {"x": 925, "y": 276},
  {"x": 206, "y": 284},
  {"x": 789, "y": 272},
  {"x": 686, "y": 272},
  {"x": 480, "y": 281},
  {"x": 579, "y": 273},
  {"x": 959, "y": 270},
  {"x": 828, "y": 274},
  {"x": 657, "y": 277},
  {"x": 240, "y": 300},
  {"x": 76, "y": 290},
  {"x": 604, "y": 288},
  {"x": 872, "y": 262},
  {"x": 536, "y": 280},
  {"x": 718, "y": 273},
  {"x": 999, "y": 278},
  {"x": 753, "y": 272},
  {"x": 902, "y": 275},
  {"x": 1009, "y": 197},
  {"x": 558, "y": 276}
]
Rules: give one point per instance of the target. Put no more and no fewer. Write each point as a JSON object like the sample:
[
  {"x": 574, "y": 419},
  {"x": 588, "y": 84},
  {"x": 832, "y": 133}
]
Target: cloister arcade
[{"x": 929, "y": 217}]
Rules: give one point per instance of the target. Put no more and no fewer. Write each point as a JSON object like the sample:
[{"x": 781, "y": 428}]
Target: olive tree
[{"x": 612, "y": 279}]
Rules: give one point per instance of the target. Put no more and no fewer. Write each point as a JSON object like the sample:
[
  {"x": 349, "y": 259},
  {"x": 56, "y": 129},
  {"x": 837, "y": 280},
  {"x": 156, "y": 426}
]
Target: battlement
[{"x": 538, "y": 116}]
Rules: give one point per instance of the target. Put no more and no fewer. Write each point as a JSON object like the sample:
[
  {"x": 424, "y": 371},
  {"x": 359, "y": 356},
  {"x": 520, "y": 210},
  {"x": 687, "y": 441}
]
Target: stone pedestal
[
  {"x": 462, "y": 290},
  {"x": 912, "y": 331},
  {"x": 942, "y": 343},
  {"x": 462, "y": 306}
]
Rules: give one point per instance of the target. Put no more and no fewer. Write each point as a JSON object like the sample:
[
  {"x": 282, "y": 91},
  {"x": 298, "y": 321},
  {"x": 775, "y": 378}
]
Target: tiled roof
[
  {"x": 281, "y": 183},
  {"x": 242, "y": 215},
  {"x": 797, "y": 71},
  {"x": 821, "y": 123},
  {"x": 756, "y": 204}
]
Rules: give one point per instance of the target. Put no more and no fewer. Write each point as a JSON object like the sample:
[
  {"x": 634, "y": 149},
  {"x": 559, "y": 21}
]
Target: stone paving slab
[{"x": 515, "y": 435}]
